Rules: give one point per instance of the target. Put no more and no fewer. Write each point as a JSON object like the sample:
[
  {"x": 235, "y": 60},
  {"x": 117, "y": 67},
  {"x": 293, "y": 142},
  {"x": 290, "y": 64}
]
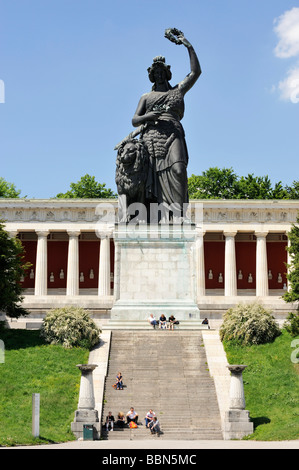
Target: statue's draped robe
[{"x": 166, "y": 145}]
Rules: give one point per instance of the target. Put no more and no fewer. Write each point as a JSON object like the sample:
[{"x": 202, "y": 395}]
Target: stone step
[
  {"x": 182, "y": 433},
  {"x": 168, "y": 372},
  {"x": 144, "y": 325}
]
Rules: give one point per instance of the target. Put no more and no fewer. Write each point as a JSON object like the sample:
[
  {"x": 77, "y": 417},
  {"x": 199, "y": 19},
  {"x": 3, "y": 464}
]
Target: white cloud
[
  {"x": 289, "y": 88},
  {"x": 287, "y": 30}
]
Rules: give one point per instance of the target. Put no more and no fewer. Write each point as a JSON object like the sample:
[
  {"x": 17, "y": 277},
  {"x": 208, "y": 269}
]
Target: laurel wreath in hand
[{"x": 172, "y": 34}]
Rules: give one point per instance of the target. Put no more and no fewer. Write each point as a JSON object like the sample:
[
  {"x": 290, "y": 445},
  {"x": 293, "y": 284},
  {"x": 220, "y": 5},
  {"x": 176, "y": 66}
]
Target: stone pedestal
[
  {"x": 86, "y": 413},
  {"x": 155, "y": 272},
  {"x": 237, "y": 422}
]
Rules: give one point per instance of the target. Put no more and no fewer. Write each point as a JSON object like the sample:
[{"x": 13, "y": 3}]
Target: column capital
[
  {"x": 42, "y": 233},
  {"x": 73, "y": 233},
  {"x": 104, "y": 231},
  {"x": 261, "y": 233},
  {"x": 230, "y": 233}
]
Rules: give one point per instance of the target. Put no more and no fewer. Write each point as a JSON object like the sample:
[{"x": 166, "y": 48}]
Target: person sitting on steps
[
  {"x": 149, "y": 417},
  {"x": 109, "y": 421},
  {"x": 119, "y": 381},
  {"x": 163, "y": 321},
  {"x": 132, "y": 416},
  {"x": 155, "y": 426},
  {"x": 152, "y": 321},
  {"x": 206, "y": 322},
  {"x": 172, "y": 321},
  {"x": 120, "y": 419}
]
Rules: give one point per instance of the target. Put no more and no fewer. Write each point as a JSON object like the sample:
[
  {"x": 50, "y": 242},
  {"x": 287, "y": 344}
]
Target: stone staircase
[{"x": 166, "y": 371}]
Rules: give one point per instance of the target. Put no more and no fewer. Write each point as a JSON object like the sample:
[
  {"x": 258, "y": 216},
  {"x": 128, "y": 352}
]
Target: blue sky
[{"x": 74, "y": 71}]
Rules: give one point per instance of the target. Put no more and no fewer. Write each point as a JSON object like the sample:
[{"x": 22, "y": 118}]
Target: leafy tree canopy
[
  {"x": 8, "y": 190},
  {"x": 87, "y": 188},
  {"x": 216, "y": 183},
  {"x": 12, "y": 267}
]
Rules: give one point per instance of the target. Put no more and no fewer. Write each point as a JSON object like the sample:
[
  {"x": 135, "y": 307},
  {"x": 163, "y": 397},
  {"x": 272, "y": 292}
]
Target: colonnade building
[{"x": 239, "y": 251}]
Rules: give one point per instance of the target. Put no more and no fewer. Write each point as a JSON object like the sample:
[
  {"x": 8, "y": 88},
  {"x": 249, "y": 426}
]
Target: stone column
[
  {"x": 230, "y": 270},
  {"x": 200, "y": 256},
  {"x": 262, "y": 283},
  {"x": 236, "y": 392},
  {"x": 104, "y": 265},
  {"x": 41, "y": 269},
  {"x": 237, "y": 422},
  {"x": 72, "y": 281},
  {"x": 86, "y": 397},
  {"x": 86, "y": 412}
]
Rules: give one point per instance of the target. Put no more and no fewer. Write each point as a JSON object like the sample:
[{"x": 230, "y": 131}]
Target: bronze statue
[{"x": 157, "y": 118}]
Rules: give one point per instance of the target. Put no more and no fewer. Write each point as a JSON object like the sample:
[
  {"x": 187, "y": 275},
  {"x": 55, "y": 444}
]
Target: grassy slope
[
  {"x": 31, "y": 366},
  {"x": 271, "y": 384}
]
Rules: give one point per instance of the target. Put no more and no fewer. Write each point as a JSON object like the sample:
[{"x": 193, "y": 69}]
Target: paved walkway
[{"x": 169, "y": 445}]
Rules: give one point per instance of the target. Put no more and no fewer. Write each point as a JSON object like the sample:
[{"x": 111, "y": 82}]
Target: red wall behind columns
[
  {"x": 277, "y": 257},
  {"x": 89, "y": 253},
  {"x": 246, "y": 261},
  {"x": 214, "y": 259},
  {"x": 30, "y": 256},
  {"x": 57, "y": 260}
]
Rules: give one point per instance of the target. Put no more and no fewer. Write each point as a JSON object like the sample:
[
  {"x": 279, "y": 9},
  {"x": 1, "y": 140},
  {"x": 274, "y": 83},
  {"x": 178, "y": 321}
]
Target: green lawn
[
  {"x": 271, "y": 385},
  {"x": 31, "y": 366}
]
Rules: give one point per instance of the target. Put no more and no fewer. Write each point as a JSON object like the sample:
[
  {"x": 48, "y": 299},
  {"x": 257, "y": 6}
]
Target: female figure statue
[{"x": 159, "y": 112}]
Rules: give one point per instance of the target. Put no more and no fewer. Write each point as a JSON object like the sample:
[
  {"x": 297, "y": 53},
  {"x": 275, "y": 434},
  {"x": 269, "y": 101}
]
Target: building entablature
[{"x": 210, "y": 215}]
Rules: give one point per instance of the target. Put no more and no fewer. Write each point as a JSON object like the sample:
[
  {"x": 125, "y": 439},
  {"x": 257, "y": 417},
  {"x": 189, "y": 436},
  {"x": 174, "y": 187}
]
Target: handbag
[{"x": 133, "y": 425}]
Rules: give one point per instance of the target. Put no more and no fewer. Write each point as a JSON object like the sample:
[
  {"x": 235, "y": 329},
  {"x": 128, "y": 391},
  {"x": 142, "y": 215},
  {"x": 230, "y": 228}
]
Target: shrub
[
  {"x": 71, "y": 327},
  {"x": 292, "y": 324},
  {"x": 249, "y": 324}
]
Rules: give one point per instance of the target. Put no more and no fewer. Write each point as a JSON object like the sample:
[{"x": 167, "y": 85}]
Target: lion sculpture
[{"x": 131, "y": 175}]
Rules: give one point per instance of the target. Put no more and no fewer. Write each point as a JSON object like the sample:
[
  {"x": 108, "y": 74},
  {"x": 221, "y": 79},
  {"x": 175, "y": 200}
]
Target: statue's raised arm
[{"x": 176, "y": 36}]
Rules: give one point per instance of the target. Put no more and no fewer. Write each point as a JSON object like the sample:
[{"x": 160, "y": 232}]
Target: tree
[
  {"x": 8, "y": 190},
  {"x": 260, "y": 187},
  {"x": 293, "y": 268},
  {"x": 87, "y": 188},
  {"x": 213, "y": 184},
  {"x": 216, "y": 183},
  {"x": 293, "y": 191},
  {"x": 12, "y": 267}
]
